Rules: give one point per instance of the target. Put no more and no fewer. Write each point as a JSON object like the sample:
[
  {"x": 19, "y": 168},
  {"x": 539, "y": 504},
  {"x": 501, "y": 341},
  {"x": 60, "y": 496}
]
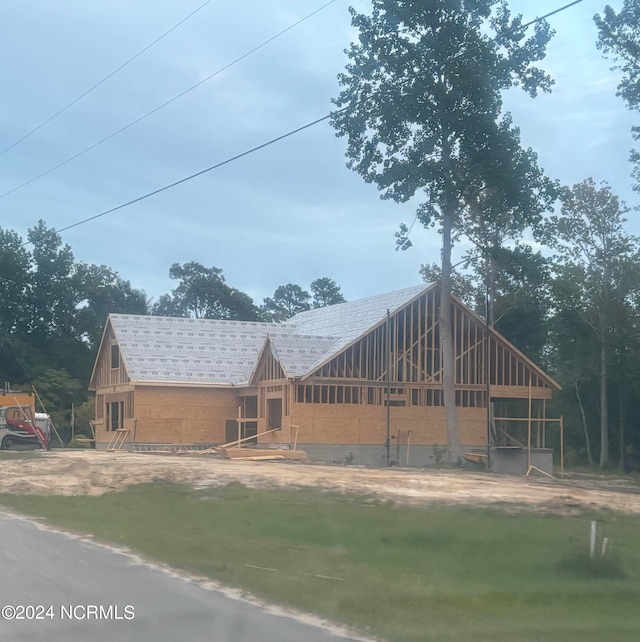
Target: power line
[
  {"x": 168, "y": 102},
  {"x": 200, "y": 173},
  {"x": 517, "y": 28},
  {"x": 100, "y": 82},
  {"x": 526, "y": 25},
  {"x": 551, "y": 13},
  {"x": 242, "y": 154}
]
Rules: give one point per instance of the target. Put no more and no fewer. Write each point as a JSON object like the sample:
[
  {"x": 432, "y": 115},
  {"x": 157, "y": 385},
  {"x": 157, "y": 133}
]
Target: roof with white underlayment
[{"x": 208, "y": 351}]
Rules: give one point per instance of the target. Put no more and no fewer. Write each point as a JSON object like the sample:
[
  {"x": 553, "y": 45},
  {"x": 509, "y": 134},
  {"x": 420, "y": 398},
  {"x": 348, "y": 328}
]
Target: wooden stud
[
  {"x": 529, "y": 430},
  {"x": 414, "y": 378},
  {"x": 523, "y": 419},
  {"x": 562, "y": 446},
  {"x": 295, "y": 439},
  {"x": 236, "y": 442},
  {"x": 376, "y": 336}
]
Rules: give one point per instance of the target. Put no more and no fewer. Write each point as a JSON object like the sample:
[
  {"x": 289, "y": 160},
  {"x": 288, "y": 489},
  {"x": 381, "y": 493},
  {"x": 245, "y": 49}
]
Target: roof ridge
[
  {"x": 371, "y": 297},
  {"x": 269, "y": 324},
  {"x": 178, "y": 349}
]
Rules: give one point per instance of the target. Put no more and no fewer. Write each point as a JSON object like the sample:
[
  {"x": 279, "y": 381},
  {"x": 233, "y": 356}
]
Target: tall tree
[
  {"x": 493, "y": 223},
  {"x": 619, "y": 38},
  {"x": 421, "y": 108},
  {"x": 54, "y": 291},
  {"x": 203, "y": 293},
  {"x": 53, "y": 310},
  {"x": 625, "y": 355},
  {"x": 519, "y": 280},
  {"x": 104, "y": 291},
  {"x": 325, "y": 291},
  {"x": 518, "y": 297},
  {"x": 594, "y": 253},
  {"x": 287, "y": 301},
  {"x": 573, "y": 355}
]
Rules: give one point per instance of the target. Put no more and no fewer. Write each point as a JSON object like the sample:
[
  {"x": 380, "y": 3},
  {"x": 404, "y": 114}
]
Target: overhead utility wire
[
  {"x": 201, "y": 172},
  {"x": 100, "y": 82},
  {"x": 551, "y": 13},
  {"x": 526, "y": 25},
  {"x": 168, "y": 102},
  {"x": 237, "y": 156}
]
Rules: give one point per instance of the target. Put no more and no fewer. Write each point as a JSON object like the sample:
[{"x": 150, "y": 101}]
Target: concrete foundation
[
  {"x": 514, "y": 461},
  {"x": 376, "y": 455},
  {"x": 359, "y": 455},
  {"x": 510, "y": 461}
]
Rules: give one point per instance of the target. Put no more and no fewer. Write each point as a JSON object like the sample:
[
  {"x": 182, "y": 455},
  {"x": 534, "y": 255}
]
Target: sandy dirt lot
[{"x": 98, "y": 472}]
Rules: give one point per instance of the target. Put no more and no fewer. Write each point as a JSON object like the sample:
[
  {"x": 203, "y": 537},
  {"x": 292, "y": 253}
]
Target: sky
[{"x": 289, "y": 213}]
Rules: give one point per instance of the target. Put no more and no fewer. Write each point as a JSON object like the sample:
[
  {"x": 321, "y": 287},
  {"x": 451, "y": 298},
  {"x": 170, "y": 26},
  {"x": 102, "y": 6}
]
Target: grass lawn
[{"x": 395, "y": 572}]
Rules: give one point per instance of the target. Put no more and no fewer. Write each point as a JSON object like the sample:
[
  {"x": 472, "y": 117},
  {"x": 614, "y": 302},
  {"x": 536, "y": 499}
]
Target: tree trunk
[
  {"x": 448, "y": 211},
  {"x": 492, "y": 292},
  {"x": 446, "y": 341},
  {"x": 621, "y": 420},
  {"x": 604, "y": 415},
  {"x": 584, "y": 423}
]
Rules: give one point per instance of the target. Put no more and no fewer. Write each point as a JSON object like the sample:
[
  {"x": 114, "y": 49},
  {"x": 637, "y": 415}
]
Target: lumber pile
[
  {"x": 234, "y": 449},
  {"x": 476, "y": 458},
  {"x": 258, "y": 454}
]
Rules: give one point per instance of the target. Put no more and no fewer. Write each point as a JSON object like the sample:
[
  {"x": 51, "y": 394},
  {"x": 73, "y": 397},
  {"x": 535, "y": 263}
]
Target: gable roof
[
  {"x": 299, "y": 353},
  {"x": 209, "y": 351},
  {"x": 349, "y": 321}
]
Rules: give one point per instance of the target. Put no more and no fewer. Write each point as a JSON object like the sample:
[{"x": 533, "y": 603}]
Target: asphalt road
[{"x": 41, "y": 569}]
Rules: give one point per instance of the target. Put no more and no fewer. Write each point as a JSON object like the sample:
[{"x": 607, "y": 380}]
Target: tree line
[
  {"x": 54, "y": 309},
  {"x": 573, "y": 307}
]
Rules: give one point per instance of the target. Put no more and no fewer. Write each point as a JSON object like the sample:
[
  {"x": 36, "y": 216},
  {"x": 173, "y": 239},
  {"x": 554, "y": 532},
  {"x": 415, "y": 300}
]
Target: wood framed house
[{"x": 360, "y": 381}]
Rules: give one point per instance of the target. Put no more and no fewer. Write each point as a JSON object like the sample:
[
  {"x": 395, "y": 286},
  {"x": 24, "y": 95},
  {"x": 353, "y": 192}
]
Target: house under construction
[{"x": 358, "y": 381}]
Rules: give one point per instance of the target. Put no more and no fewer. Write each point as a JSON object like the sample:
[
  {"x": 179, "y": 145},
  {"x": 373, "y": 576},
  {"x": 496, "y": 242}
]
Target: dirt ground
[{"x": 97, "y": 472}]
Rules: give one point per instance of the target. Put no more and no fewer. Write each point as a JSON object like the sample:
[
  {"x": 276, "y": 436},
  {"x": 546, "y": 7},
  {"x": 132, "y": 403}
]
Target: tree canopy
[
  {"x": 421, "y": 109},
  {"x": 53, "y": 313},
  {"x": 287, "y": 301},
  {"x": 325, "y": 291},
  {"x": 104, "y": 291},
  {"x": 290, "y": 299},
  {"x": 596, "y": 255},
  {"x": 203, "y": 293},
  {"x": 619, "y": 38}
]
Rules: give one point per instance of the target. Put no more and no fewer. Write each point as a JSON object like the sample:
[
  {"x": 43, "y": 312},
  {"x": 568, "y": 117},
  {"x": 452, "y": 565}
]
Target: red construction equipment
[{"x": 18, "y": 426}]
